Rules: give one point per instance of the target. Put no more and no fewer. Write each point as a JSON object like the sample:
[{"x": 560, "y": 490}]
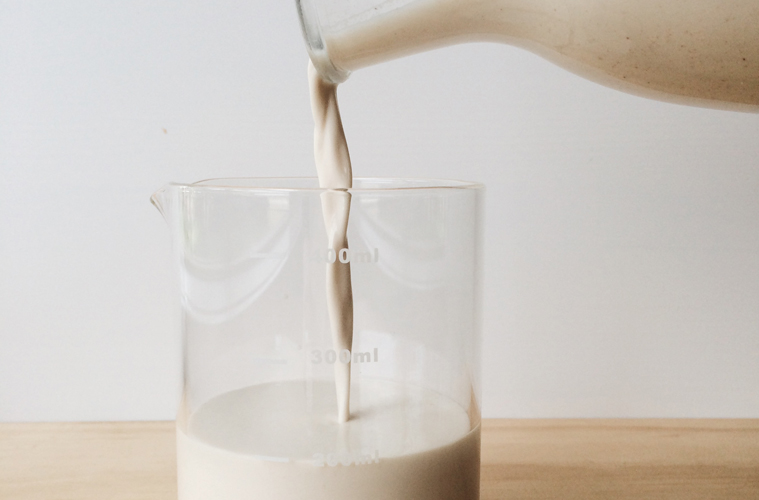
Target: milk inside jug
[{"x": 703, "y": 53}]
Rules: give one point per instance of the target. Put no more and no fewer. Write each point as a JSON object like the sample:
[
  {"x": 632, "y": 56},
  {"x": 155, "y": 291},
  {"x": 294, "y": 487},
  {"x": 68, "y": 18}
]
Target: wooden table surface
[{"x": 521, "y": 459}]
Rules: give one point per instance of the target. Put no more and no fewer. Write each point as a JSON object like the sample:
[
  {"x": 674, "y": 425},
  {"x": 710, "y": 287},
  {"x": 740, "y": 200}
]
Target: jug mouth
[
  {"x": 312, "y": 184},
  {"x": 311, "y": 27}
]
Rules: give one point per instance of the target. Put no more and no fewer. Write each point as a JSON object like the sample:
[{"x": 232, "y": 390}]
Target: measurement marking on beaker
[
  {"x": 353, "y": 255},
  {"x": 330, "y": 356},
  {"x": 345, "y": 459}
]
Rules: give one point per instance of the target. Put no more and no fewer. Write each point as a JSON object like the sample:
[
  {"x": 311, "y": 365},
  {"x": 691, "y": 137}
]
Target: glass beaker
[{"x": 258, "y": 416}]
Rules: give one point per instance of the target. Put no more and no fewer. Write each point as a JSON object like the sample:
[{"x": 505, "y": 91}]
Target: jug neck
[{"x": 671, "y": 50}]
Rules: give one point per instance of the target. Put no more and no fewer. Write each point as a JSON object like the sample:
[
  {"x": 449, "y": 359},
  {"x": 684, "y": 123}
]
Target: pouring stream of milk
[
  {"x": 269, "y": 441},
  {"x": 333, "y": 166}
]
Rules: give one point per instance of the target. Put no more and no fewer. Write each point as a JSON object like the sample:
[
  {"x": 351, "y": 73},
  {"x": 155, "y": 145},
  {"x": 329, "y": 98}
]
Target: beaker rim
[{"x": 360, "y": 184}]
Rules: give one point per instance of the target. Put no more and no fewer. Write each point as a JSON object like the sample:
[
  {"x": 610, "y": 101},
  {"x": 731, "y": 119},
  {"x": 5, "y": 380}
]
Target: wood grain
[
  {"x": 83, "y": 461},
  {"x": 621, "y": 459},
  {"x": 521, "y": 459}
]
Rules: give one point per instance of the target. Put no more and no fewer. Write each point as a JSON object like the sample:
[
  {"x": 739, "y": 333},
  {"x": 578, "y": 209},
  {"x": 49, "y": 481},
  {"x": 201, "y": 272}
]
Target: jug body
[
  {"x": 258, "y": 417},
  {"x": 700, "y": 53}
]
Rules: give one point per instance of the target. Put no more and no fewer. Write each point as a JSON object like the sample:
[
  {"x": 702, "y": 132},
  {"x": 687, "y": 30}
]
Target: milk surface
[{"x": 282, "y": 441}]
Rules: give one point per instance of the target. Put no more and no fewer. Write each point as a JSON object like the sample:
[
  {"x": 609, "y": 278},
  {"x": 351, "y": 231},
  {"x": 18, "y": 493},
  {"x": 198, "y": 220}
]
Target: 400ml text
[{"x": 330, "y": 356}]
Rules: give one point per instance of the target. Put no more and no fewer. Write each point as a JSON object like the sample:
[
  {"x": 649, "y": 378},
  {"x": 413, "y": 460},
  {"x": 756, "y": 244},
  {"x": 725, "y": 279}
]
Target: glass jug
[
  {"x": 258, "y": 416},
  {"x": 703, "y": 53}
]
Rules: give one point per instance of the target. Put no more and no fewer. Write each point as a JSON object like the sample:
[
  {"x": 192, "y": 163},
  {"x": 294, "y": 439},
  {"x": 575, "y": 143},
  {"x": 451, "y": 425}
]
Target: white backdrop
[{"x": 622, "y": 241}]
